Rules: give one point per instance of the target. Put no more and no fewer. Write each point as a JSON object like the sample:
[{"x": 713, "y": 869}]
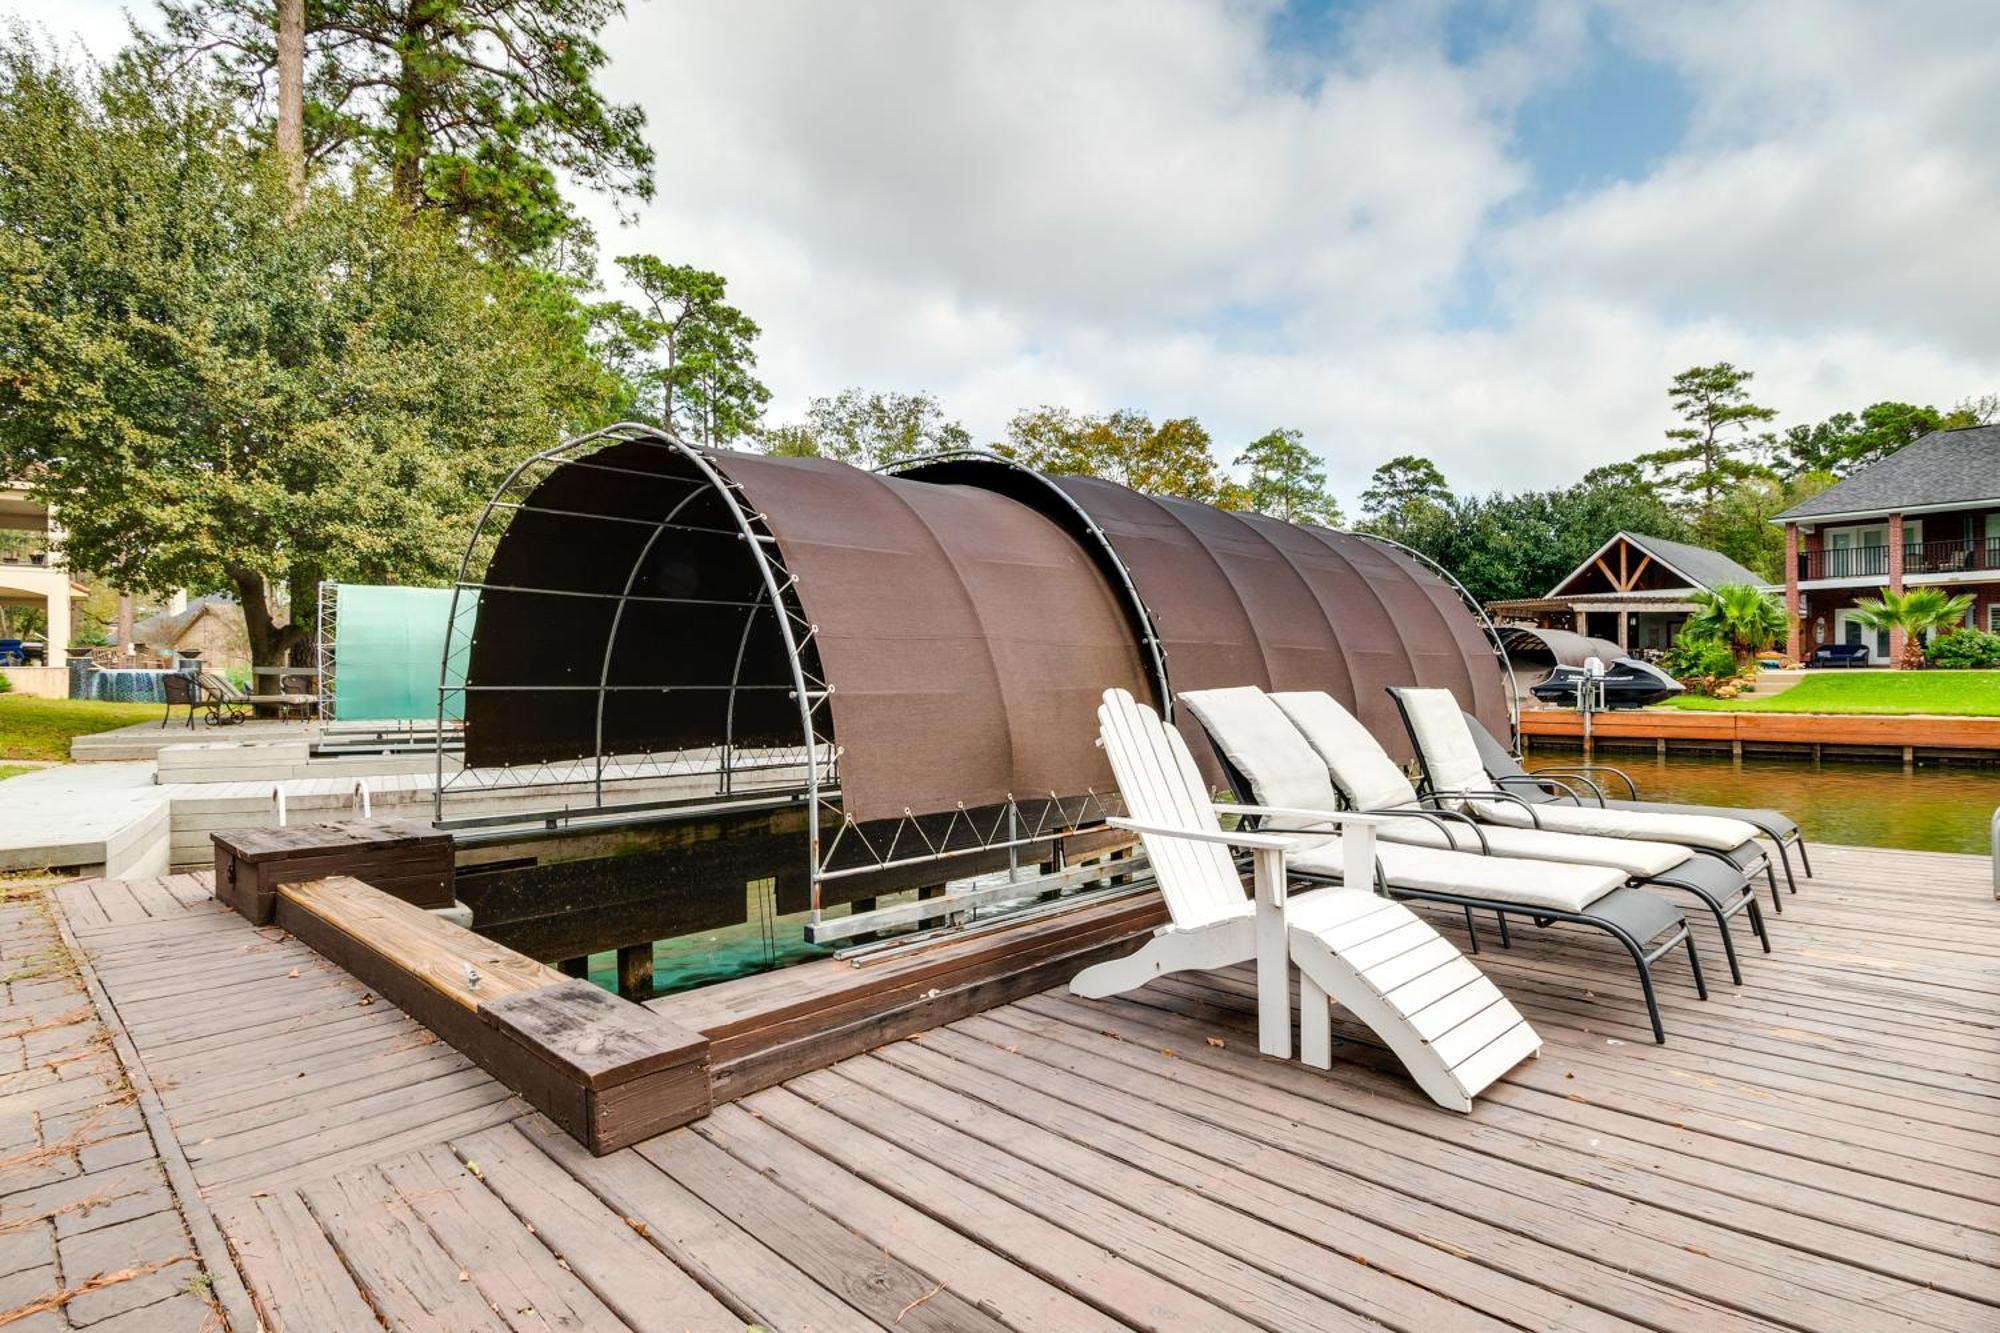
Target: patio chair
[
  {"x": 1441, "y": 1016},
  {"x": 1366, "y": 779},
  {"x": 235, "y": 698},
  {"x": 1578, "y": 784},
  {"x": 1456, "y": 777},
  {"x": 198, "y": 694},
  {"x": 1265, "y": 756}
]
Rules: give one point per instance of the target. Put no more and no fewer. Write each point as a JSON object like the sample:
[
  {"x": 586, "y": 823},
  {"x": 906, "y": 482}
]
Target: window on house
[{"x": 1993, "y": 617}]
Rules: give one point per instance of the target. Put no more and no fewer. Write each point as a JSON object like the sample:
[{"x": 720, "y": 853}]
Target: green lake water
[{"x": 1936, "y": 808}]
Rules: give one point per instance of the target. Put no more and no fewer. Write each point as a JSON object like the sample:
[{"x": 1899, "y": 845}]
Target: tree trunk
[
  {"x": 407, "y": 153},
  {"x": 291, "y": 137},
  {"x": 270, "y": 643}
]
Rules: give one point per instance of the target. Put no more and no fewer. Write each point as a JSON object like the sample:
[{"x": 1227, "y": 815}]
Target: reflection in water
[{"x": 1932, "y": 809}]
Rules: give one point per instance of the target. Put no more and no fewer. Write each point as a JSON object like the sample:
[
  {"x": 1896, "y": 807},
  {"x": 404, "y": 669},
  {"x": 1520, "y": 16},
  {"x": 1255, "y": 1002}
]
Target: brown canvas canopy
[
  {"x": 963, "y": 617},
  {"x": 1242, "y": 599},
  {"x": 965, "y": 638}
]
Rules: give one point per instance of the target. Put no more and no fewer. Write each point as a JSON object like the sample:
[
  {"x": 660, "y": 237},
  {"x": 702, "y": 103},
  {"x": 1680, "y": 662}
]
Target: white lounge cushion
[
  {"x": 1722, "y": 835},
  {"x": 1359, "y": 764},
  {"x": 1451, "y": 756},
  {"x": 1631, "y": 855},
  {"x": 1266, "y": 748},
  {"x": 1567, "y": 888}
]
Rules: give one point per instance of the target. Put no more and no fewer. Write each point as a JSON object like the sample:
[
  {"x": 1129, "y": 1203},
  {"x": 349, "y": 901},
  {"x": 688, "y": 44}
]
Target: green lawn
[
  {"x": 1962, "y": 693},
  {"x": 13, "y": 770},
  {"x": 42, "y": 728}
]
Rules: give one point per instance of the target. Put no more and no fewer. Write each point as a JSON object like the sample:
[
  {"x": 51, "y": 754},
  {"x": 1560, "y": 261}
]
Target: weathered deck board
[{"x": 1815, "y": 1150}]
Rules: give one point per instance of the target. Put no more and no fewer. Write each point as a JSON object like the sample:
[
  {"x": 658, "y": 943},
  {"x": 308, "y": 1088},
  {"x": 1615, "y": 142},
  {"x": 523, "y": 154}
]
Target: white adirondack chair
[{"x": 1444, "y": 1019}]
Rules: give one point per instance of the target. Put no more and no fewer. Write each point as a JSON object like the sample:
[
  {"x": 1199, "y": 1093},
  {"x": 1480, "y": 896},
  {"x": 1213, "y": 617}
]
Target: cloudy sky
[{"x": 1487, "y": 233}]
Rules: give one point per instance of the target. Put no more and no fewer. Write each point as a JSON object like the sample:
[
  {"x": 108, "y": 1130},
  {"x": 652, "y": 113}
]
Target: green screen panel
[{"x": 388, "y": 644}]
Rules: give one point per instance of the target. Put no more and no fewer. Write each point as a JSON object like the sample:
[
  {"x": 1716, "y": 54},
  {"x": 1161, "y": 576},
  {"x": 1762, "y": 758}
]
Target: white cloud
[{"x": 1141, "y": 203}]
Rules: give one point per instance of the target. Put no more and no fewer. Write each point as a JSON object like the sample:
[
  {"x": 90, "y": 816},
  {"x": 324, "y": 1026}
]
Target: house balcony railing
[{"x": 1872, "y": 562}]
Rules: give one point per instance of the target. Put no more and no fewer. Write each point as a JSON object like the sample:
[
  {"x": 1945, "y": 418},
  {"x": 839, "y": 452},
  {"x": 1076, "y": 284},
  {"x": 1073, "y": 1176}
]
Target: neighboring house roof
[
  {"x": 1701, "y": 567},
  {"x": 1707, "y": 569},
  {"x": 164, "y": 629},
  {"x": 1945, "y": 467}
]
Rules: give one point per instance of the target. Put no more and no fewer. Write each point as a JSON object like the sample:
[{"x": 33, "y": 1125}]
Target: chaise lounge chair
[
  {"x": 1267, "y": 759},
  {"x": 1451, "y": 1027},
  {"x": 1559, "y": 785},
  {"x": 1369, "y": 780},
  {"x": 1456, "y": 778}
]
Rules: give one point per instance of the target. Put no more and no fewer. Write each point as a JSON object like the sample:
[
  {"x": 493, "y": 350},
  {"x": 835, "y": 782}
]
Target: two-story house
[{"x": 1927, "y": 514}]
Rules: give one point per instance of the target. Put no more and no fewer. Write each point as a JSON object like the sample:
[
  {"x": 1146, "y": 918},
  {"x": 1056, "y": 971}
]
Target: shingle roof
[
  {"x": 164, "y": 628},
  {"x": 1944, "y": 467},
  {"x": 1707, "y": 568}
]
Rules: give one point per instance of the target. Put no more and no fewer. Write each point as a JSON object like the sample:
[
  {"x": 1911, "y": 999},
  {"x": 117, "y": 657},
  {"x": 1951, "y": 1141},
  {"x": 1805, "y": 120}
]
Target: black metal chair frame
[
  {"x": 1543, "y": 917},
  {"x": 1722, "y": 906}
]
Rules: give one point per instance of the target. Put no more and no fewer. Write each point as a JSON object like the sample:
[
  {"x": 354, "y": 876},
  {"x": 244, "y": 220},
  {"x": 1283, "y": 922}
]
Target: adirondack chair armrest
[{"x": 1248, "y": 841}]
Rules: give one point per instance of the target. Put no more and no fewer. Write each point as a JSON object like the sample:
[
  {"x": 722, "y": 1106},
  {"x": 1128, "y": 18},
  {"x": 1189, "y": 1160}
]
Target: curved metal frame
[
  {"x": 1156, "y": 658},
  {"x": 1478, "y": 611},
  {"x": 795, "y": 630}
]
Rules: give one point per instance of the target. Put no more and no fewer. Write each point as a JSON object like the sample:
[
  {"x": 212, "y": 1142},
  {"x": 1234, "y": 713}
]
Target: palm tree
[
  {"x": 1916, "y": 613},
  {"x": 1746, "y": 618}
]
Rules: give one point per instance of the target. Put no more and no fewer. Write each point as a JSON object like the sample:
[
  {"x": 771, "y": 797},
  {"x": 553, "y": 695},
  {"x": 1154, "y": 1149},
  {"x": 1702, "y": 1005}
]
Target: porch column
[
  {"x": 1624, "y": 631},
  {"x": 1794, "y": 628},
  {"x": 59, "y": 626},
  {"x": 1897, "y": 639}
]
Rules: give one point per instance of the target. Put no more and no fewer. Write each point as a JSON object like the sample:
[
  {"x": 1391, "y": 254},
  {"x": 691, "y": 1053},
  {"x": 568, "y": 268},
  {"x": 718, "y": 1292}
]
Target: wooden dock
[{"x": 1819, "y": 1149}]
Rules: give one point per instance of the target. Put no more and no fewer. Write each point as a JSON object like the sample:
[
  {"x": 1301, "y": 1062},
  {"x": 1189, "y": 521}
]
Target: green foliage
[
  {"x": 1741, "y": 524},
  {"x": 6, "y": 686},
  {"x": 472, "y": 107},
  {"x": 687, "y": 353},
  {"x": 1847, "y": 442},
  {"x": 868, "y": 429},
  {"x": 1172, "y": 458},
  {"x": 1405, "y": 495},
  {"x": 1287, "y": 480},
  {"x": 1521, "y": 545},
  {"x": 1714, "y": 450},
  {"x": 216, "y": 395},
  {"x": 1965, "y": 647},
  {"x": 1742, "y": 618},
  {"x": 1915, "y": 612},
  {"x": 1700, "y": 662}
]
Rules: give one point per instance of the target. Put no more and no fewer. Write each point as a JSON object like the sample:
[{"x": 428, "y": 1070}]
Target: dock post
[
  {"x": 635, "y": 970},
  {"x": 575, "y": 967}
]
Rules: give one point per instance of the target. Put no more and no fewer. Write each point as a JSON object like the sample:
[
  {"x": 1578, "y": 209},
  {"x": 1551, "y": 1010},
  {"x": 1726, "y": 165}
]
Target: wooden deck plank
[
  {"x": 873, "y": 1281},
  {"x": 1813, "y": 1150},
  {"x": 641, "y": 1285},
  {"x": 1021, "y": 1299},
  {"x": 748, "y": 1275},
  {"x": 509, "y": 1263},
  {"x": 295, "y": 1276},
  {"x": 404, "y": 1272}
]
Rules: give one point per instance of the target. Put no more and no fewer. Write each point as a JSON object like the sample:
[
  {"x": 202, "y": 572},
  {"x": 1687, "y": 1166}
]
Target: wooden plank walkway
[{"x": 1816, "y": 1150}]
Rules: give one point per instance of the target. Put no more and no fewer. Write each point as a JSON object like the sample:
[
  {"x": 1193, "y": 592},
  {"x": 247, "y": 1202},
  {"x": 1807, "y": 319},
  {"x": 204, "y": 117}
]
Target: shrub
[
  {"x": 1964, "y": 648},
  {"x": 5, "y": 684},
  {"x": 1704, "y": 665}
]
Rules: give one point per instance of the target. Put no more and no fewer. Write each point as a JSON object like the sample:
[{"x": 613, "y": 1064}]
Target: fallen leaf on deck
[{"x": 1215, "y": 1042}]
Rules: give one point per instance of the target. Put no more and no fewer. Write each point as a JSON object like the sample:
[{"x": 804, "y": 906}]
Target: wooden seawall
[{"x": 1871, "y": 736}]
